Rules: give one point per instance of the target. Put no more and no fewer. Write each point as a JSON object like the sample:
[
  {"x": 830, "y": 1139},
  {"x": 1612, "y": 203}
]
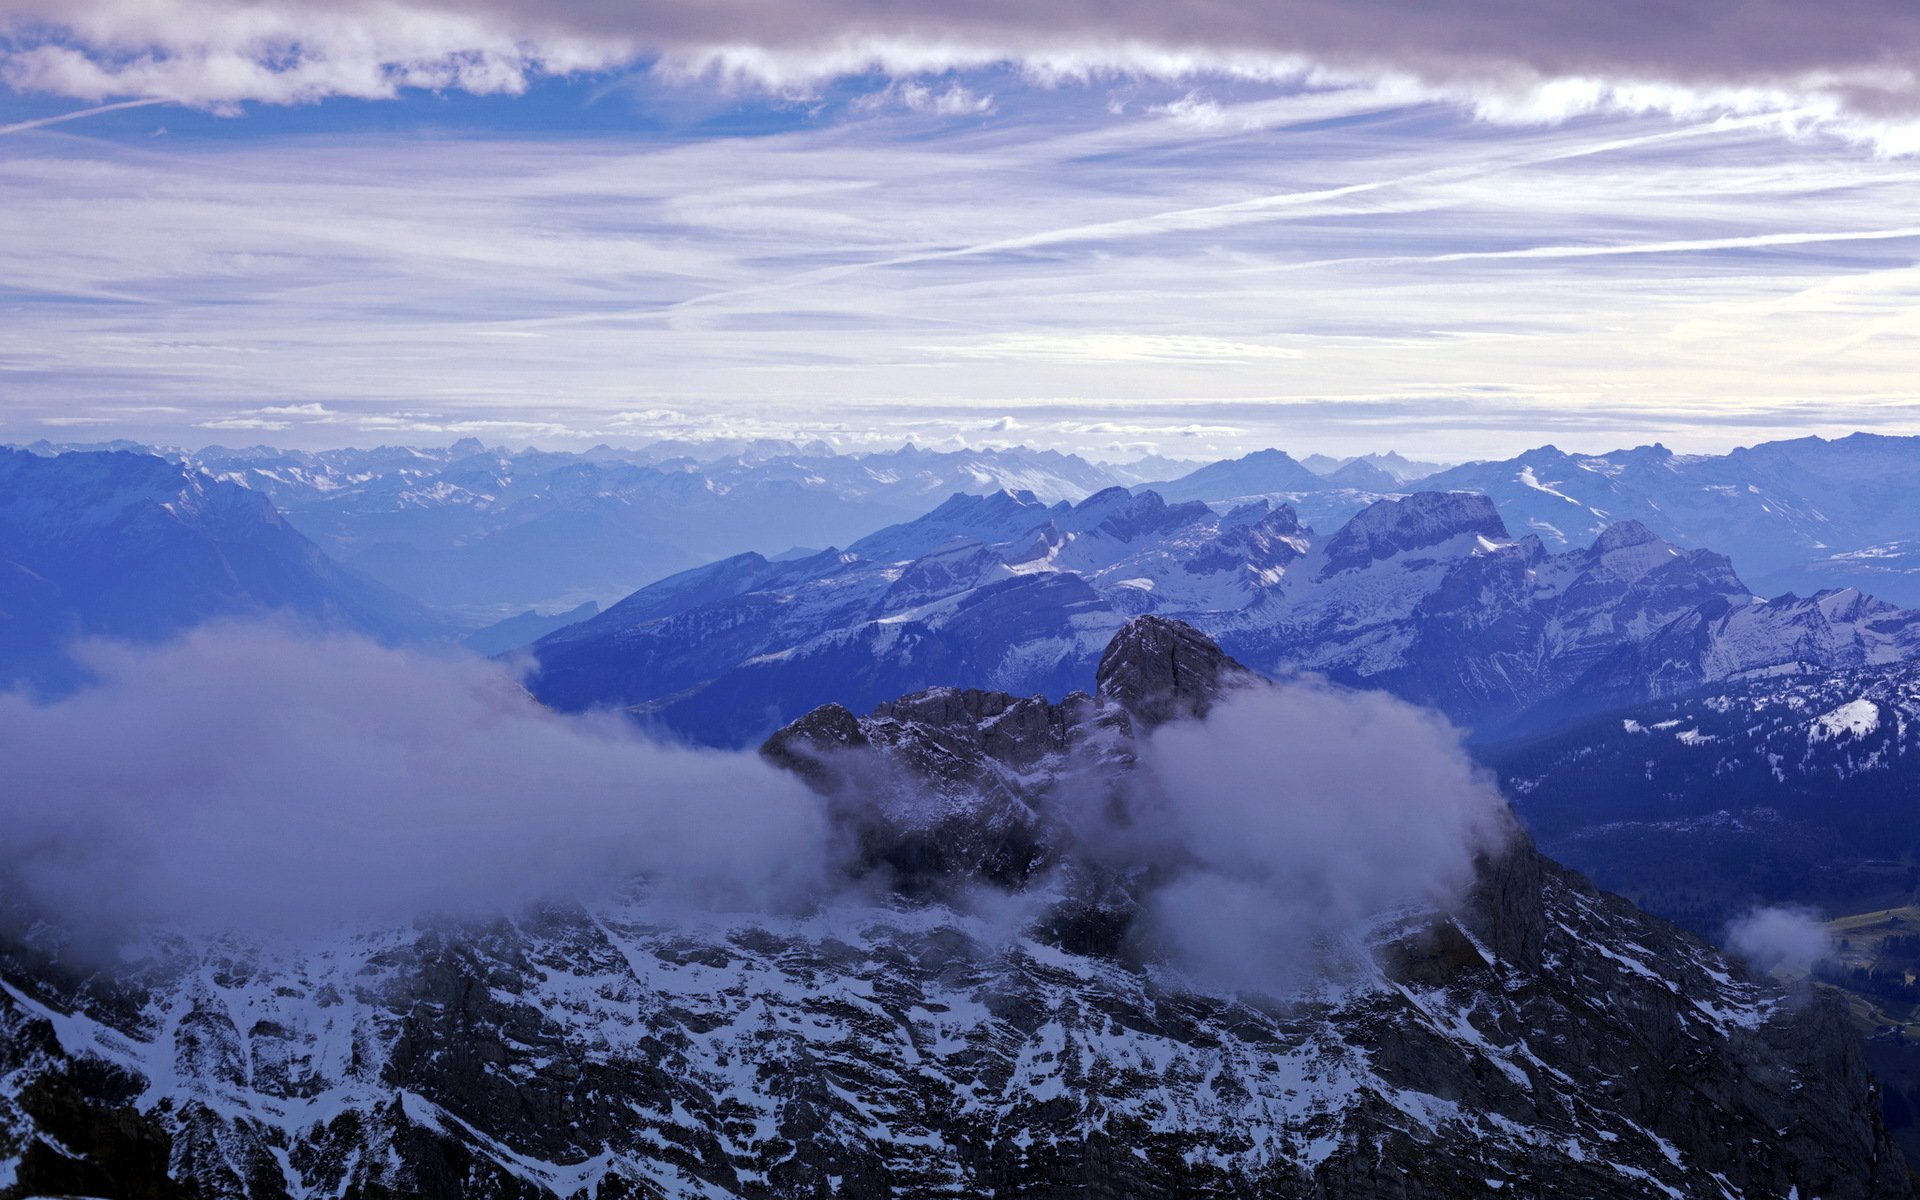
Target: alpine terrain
[
  {"x": 1427, "y": 595},
  {"x": 1533, "y": 1035}
]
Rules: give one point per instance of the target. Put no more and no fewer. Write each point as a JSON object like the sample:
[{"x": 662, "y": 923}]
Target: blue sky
[{"x": 1113, "y": 258}]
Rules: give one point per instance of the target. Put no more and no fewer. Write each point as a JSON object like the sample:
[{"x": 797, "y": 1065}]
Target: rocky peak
[
  {"x": 1159, "y": 669},
  {"x": 1389, "y": 527},
  {"x": 1623, "y": 534}
]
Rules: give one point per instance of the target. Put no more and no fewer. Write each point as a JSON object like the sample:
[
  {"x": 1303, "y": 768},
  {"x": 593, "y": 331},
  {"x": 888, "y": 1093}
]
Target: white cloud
[
  {"x": 954, "y": 100},
  {"x": 256, "y": 423},
  {"x": 1850, "y": 66},
  {"x": 1780, "y": 938},
  {"x": 349, "y": 782}
]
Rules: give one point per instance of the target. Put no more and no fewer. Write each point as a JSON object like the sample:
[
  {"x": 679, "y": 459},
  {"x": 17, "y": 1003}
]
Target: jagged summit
[
  {"x": 1158, "y": 669},
  {"x": 1395, "y": 526}
]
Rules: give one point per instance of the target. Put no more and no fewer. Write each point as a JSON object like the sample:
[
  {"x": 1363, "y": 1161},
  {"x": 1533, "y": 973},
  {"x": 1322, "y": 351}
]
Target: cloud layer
[
  {"x": 1317, "y": 271},
  {"x": 1855, "y": 56},
  {"x": 248, "y": 777}
]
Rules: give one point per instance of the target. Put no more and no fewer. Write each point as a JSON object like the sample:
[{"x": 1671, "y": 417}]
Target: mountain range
[
  {"x": 1427, "y": 596},
  {"x": 1534, "y": 1037},
  {"x": 484, "y": 532}
]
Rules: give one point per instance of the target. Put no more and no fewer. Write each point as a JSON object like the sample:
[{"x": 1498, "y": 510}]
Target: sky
[{"x": 1456, "y": 228}]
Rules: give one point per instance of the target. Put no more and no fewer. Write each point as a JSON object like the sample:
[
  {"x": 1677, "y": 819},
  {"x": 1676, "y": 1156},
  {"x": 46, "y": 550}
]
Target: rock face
[
  {"x": 1543, "y": 1039},
  {"x": 1158, "y": 669}
]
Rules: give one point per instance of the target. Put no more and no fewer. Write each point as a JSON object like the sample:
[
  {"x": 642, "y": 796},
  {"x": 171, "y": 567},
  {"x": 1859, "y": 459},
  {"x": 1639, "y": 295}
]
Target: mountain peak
[
  {"x": 1389, "y": 527},
  {"x": 1160, "y": 669},
  {"x": 1622, "y": 535}
]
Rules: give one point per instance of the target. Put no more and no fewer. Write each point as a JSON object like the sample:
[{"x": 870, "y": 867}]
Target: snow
[{"x": 1856, "y": 718}]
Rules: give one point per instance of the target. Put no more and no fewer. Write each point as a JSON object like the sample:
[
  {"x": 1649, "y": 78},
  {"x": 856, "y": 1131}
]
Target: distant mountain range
[
  {"x": 1798, "y": 515},
  {"x": 485, "y": 532},
  {"x": 133, "y": 547},
  {"x": 1427, "y": 596}
]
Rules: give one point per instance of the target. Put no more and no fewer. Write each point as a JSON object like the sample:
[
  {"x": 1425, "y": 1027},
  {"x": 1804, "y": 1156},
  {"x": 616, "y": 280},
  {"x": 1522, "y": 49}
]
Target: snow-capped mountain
[
  {"x": 1792, "y": 786},
  {"x": 131, "y": 546},
  {"x": 1426, "y": 596},
  {"x": 489, "y": 531},
  {"x": 1802, "y": 515},
  {"x": 1540, "y": 1037}
]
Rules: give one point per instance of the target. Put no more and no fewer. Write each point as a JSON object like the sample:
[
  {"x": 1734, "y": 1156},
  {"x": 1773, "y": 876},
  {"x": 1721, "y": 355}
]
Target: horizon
[{"x": 635, "y": 444}]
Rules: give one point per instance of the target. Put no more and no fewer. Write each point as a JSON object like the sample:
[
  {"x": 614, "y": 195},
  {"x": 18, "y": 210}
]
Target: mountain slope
[
  {"x": 1543, "y": 1037},
  {"x": 1794, "y": 787},
  {"x": 130, "y": 546}
]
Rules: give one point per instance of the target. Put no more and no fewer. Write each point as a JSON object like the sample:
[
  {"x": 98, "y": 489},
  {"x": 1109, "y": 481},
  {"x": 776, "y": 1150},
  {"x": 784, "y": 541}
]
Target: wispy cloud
[
  {"x": 77, "y": 114},
  {"x": 1327, "y": 268}
]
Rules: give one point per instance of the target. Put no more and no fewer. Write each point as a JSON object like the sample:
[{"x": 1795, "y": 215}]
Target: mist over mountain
[
  {"x": 132, "y": 547},
  {"x": 1022, "y": 979},
  {"x": 488, "y": 531}
]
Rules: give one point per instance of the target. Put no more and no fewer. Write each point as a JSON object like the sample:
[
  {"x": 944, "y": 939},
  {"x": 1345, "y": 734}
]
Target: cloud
[
  {"x": 96, "y": 110},
  {"x": 315, "y": 412},
  {"x": 1294, "y": 818},
  {"x": 1197, "y": 112},
  {"x": 1780, "y": 938},
  {"x": 254, "y": 777},
  {"x": 258, "y": 423},
  {"x": 1513, "y": 59},
  {"x": 952, "y": 101},
  {"x": 1611, "y": 276}
]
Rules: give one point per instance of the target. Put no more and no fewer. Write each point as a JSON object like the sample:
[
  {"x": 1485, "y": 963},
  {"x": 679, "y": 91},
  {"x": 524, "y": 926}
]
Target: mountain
[
  {"x": 133, "y": 547},
  {"x": 488, "y": 531},
  {"x": 1790, "y": 787},
  {"x": 1804, "y": 515},
  {"x": 1262, "y": 473},
  {"x": 1391, "y": 463},
  {"x": 523, "y": 629},
  {"x": 1538, "y": 1036},
  {"x": 1364, "y": 476},
  {"x": 1426, "y": 596}
]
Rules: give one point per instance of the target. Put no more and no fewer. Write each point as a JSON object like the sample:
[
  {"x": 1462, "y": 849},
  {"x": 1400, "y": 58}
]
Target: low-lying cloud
[
  {"x": 1294, "y": 817},
  {"x": 1780, "y": 938},
  {"x": 1512, "y": 57},
  {"x": 252, "y": 777}
]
